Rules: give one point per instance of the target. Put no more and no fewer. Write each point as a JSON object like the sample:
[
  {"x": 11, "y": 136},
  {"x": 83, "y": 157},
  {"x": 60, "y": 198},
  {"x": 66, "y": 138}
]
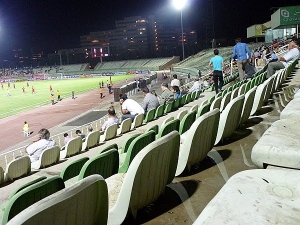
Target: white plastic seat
[
  {"x": 91, "y": 140},
  {"x": 138, "y": 121},
  {"x": 247, "y": 106},
  {"x": 146, "y": 178},
  {"x": 194, "y": 108},
  {"x": 17, "y": 168},
  {"x": 85, "y": 202},
  {"x": 259, "y": 97},
  {"x": 48, "y": 157},
  {"x": 234, "y": 93},
  {"x": 225, "y": 101},
  {"x": 109, "y": 133},
  {"x": 216, "y": 104},
  {"x": 249, "y": 196},
  {"x": 168, "y": 119},
  {"x": 73, "y": 147},
  {"x": 292, "y": 110},
  {"x": 181, "y": 114},
  {"x": 125, "y": 126}
]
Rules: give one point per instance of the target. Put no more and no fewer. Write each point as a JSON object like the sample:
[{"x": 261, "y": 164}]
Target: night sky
[{"x": 56, "y": 24}]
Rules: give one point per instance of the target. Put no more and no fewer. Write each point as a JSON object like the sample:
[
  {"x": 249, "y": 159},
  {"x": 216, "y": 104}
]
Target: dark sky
[{"x": 50, "y": 25}]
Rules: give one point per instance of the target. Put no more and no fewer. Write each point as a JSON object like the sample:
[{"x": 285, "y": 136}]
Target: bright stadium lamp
[{"x": 179, "y": 5}]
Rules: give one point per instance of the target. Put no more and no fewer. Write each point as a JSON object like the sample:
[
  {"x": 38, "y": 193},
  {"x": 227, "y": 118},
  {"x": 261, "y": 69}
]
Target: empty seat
[
  {"x": 88, "y": 198},
  {"x": 159, "y": 111},
  {"x": 181, "y": 114},
  {"x": 149, "y": 116},
  {"x": 48, "y": 157},
  {"x": 109, "y": 133},
  {"x": 17, "y": 168},
  {"x": 194, "y": 108},
  {"x": 168, "y": 119},
  {"x": 73, "y": 169},
  {"x": 91, "y": 140},
  {"x": 203, "y": 109},
  {"x": 125, "y": 126},
  {"x": 1, "y": 175},
  {"x": 225, "y": 100},
  {"x": 292, "y": 110},
  {"x": 169, "y": 127},
  {"x": 147, "y": 176},
  {"x": 187, "y": 122},
  {"x": 216, "y": 104},
  {"x": 73, "y": 147},
  {"x": 138, "y": 121},
  {"x": 249, "y": 97}
]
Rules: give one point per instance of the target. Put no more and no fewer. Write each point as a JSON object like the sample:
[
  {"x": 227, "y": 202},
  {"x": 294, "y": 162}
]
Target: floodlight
[{"x": 179, "y": 4}]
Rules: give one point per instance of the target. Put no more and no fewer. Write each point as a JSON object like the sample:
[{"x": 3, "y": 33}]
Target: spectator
[
  {"x": 79, "y": 134},
  {"x": 284, "y": 61},
  {"x": 26, "y": 129},
  {"x": 196, "y": 86},
  {"x": 176, "y": 92},
  {"x": 129, "y": 107},
  {"x": 67, "y": 138},
  {"x": 218, "y": 63},
  {"x": 42, "y": 143},
  {"x": 260, "y": 62},
  {"x": 166, "y": 96},
  {"x": 150, "y": 101},
  {"x": 154, "y": 93},
  {"x": 112, "y": 119},
  {"x": 241, "y": 53},
  {"x": 175, "y": 81},
  {"x": 90, "y": 129},
  {"x": 274, "y": 57},
  {"x": 184, "y": 91}
]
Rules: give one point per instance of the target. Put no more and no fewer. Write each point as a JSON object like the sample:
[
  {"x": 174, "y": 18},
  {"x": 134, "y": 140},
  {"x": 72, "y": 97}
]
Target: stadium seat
[
  {"x": 155, "y": 128},
  {"x": 176, "y": 104},
  {"x": 230, "y": 118},
  {"x": 73, "y": 147},
  {"x": 1, "y": 175},
  {"x": 30, "y": 195},
  {"x": 194, "y": 108},
  {"x": 17, "y": 168},
  {"x": 88, "y": 198},
  {"x": 73, "y": 169},
  {"x": 186, "y": 122},
  {"x": 134, "y": 148},
  {"x": 159, "y": 111},
  {"x": 249, "y": 97},
  {"x": 48, "y": 157},
  {"x": 198, "y": 140},
  {"x": 181, "y": 114},
  {"x": 168, "y": 119},
  {"x": 138, "y": 121},
  {"x": 91, "y": 140},
  {"x": 109, "y": 147},
  {"x": 109, "y": 133},
  {"x": 149, "y": 116},
  {"x": 182, "y": 100},
  {"x": 147, "y": 176},
  {"x": 216, "y": 104},
  {"x": 125, "y": 126},
  {"x": 168, "y": 108},
  {"x": 203, "y": 109},
  {"x": 173, "y": 125},
  {"x": 225, "y": 100}
]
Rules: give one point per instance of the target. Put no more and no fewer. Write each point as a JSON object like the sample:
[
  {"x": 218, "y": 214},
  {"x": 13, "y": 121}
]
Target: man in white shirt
[
  {"x": 284, "y": 61},
  {"x": 175, "y": 81},
  {"x": 196, "y": 86},
  {"x": 35, "y": 149},
  {"x": 129, "y": 107}
]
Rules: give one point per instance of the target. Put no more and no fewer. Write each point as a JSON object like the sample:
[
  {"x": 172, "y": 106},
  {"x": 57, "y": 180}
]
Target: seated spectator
[
  {"x": 175, "y": 81},
  {"x": 150, "y": 101},
  {"x": 90, "y": 129},
  {"x": 78, "y": 133},
  {"x": 206, "y": 83},
  {"x": 111, "y": 120},
  {"x": 166, "y": 96},
  {"x": 184, "y": 91},
  {"x": 154, "y": 93},
  {"x": 67, "y": 138},
  {"x": 274, "y": 57},
  {"x": 260, "y": 62},
  {"x": 129, "y": 107},
  {"x": 42, "y": 143},
  {"x": 196, "y": 86},
  {"x": 284, "y": 61},
  {"x": 176, "y": 92}
]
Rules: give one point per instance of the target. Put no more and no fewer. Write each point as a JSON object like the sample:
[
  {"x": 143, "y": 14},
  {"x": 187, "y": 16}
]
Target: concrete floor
[{"x": 187, "y": 196}]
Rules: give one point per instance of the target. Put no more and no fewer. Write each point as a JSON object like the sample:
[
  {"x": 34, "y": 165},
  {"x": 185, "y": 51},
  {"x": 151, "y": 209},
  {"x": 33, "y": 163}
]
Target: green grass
[{"x": 19, "y": 102}]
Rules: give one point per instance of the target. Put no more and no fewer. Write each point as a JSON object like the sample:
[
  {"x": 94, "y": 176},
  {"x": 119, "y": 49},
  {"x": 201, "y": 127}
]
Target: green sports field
[{"x": 18, "y": 101}]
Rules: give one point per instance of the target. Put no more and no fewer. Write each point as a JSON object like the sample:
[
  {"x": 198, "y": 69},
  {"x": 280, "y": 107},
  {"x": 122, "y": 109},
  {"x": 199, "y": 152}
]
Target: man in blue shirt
[
  {"x": 218, "y": 63},
  {"x": 241, "y": 53}
]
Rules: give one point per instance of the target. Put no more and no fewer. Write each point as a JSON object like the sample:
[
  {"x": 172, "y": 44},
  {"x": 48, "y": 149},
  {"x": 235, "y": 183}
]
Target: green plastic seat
[
  {"x": 30, "y": 195},
  {"x": 182, "y": 100},
  {"x": 159, "y": 111},
  {"x": 155, "y": 128},
  {"x": 73, "y": 168},
  {"x": 105, "y": 164},
  {"x": 203, "y": 109},
  {"x": 149, "y": 116},
  {"x": 134, "y": 148},
  {"x": 168, "y": 108},
  {"x": 187, "y": 122},
  {"x": 216, "y": 104},
  {"x": 176, "y": 104},
  {"x": 109, "y": 147},
  {"x": 168, "y": 128},
  {"x": 127, "y": 143},
  {"x": 188, "y": 98}
]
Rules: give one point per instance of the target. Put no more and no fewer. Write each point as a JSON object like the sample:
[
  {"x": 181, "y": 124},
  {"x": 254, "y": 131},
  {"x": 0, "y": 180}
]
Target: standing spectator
[
  {"x": 14, "y": 86},
  {"x": 67, "y": 138},
  {"x": 217, "y": 63},
  {"x": 112, "y": 119},
  {"x": 101, "y": 92},
  {"x": 51, "y": 88},
  {"x": 79, "y": 134},
  {"x": 199, "y": 74},
  {"x": 52, "y": 99},
  {"x": 73, "y": 95},
  {"x": 129, "y": 107},
  {"x": 58, "y": 95},
  {"x": 284, "y": 61},
  {"x": 102, "y": 84},
  {"x": 23, "y": 90},
  {"x": 110, "y": 88},
  {"x": 241, "y": 53},
  {"x": 166, "y": 96},
  {"x": 26, "y": 129},
  {"x": 150, "y": 101},
  {"x": 42, "y": 143},
  {"x": 32, "y": 90},
  {"x": 196, "y": 86},
  {"x": 175, "y": 81}
]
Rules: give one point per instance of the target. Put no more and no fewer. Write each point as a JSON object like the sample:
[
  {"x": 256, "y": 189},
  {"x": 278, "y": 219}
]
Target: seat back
[
  {"x": 159, "y": 111},
  {"x": 176, "y": 104},
  {"x": 216, "y": 104},
  {"x": 203, "y": 109},
  {"x": 169, "y": 127},
  {"x": 1, "y": 175},
  {"x": 150, "y": 115},
  {"x": 74, "y": 146},
  {"x": 30, "y": 195},
  {"x": 110, "y": 132},
  {"x": 125, "y": 126},
  {"x": 168, "y": 108},
  {"x": 105, "y": 164},
  {"x": 20, "y": 188},
  {"x": 17, "y": 168},
  {"x": 109, "y": 147},
  {"x": 49, "y": 157},
  {"x": 135, "y": 147},
  {"x": 187, "y": 122},
  {"x": 182, "y": 114},
  {"x": 229, "y": 119},
  {"x": 150, "y": 171},
  {"x": 188, "y": 98},
  {"x": 168, "y": 119},
  {"x": 225, "y": 101},
  {"x": 194, "y": 108},
  {"x": 138, "y": 121},
  {"x": 88, "y": 198},
  {"x": 249, "y": 97},
  {"x": 91, "y": 140},
  {"x": 242, "y": 89},
  {"x": 73, "y": 168},
  {"x": 234, "y": 93},
  {"x": 259, "y": 97},
  {"x": 182, "y": 100}
]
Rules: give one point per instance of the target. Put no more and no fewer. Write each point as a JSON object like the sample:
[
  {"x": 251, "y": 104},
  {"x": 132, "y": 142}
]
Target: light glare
[{"x": 179, "y": 4}]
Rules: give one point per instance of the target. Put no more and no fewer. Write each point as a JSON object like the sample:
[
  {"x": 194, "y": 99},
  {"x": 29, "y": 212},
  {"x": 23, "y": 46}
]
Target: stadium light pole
[{"x": 179, "y": 5}]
